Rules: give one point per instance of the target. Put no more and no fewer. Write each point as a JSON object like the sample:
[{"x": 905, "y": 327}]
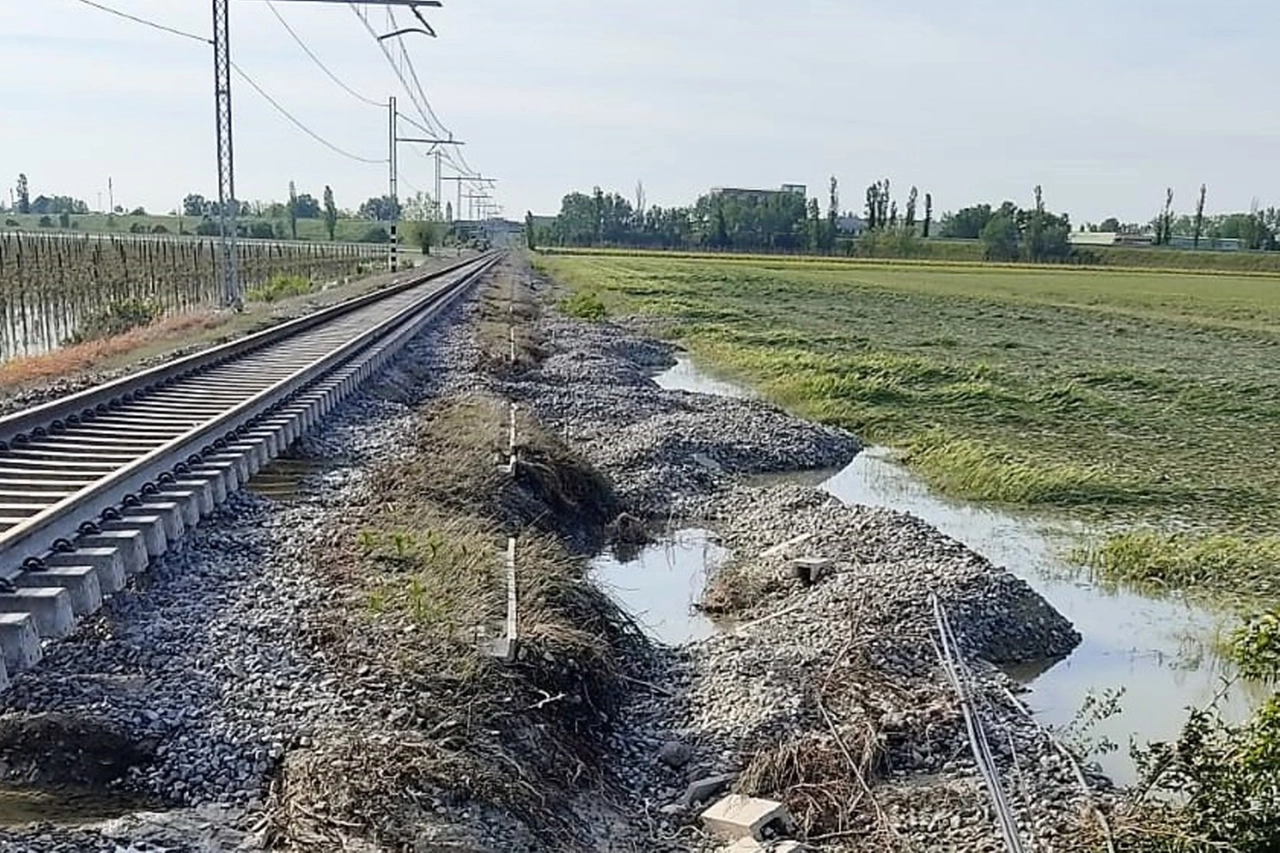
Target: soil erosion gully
[{"x": 96, "y": 484}]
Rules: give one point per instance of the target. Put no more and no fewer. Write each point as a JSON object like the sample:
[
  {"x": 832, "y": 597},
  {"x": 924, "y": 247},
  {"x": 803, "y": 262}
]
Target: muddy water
[
  {"x": 64, "y": 808},
  {"x": 282, "y": 479},
  {"x": 660, "y": 585},
  {"x": 1159, "y": 651}
]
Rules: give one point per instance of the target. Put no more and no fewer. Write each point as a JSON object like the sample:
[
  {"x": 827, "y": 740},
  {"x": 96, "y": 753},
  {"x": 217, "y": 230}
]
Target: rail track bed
[{"x": 96, "y": 484}]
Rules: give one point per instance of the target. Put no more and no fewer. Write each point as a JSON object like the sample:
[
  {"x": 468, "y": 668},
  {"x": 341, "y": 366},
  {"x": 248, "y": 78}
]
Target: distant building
[
  {"x": 851, "y": 226},
  {"x": 759, "y": 196},
  {"x": 1207, "y": 244},
  {"x": 1109, "y": 238}
]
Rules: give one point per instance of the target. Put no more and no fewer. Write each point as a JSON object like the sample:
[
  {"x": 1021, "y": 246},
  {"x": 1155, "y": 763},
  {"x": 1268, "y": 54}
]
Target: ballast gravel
[{"x": 201, "y": 656}]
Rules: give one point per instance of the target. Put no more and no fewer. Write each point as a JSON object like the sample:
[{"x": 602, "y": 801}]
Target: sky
[{"x": 1102, "y": 103}]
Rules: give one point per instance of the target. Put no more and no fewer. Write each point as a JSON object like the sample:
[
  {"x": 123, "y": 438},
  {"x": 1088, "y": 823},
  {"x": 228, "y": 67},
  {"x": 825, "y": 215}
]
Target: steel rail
[
  {"x": 233, "y": 388},
  {"x": 56, "y": 414}
]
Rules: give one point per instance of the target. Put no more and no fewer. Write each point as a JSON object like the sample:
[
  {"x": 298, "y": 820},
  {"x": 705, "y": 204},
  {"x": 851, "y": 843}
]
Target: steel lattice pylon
[{"x": 227, "y": 204}]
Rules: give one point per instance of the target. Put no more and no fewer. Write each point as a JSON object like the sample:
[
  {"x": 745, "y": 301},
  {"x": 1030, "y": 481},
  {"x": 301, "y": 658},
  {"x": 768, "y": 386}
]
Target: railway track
[{"x": 95, "y": 485}]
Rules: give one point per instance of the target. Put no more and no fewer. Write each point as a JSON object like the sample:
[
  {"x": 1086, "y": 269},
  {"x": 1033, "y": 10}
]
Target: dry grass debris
[
  {"x": 92, "y": 354},
  {"x": 417, "y": 592}
]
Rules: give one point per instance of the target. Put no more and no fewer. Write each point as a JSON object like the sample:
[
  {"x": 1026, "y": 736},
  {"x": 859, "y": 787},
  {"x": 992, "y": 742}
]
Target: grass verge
[
  {"x": 1250, "y": 566},
  {"x": 92, "y": 353}
]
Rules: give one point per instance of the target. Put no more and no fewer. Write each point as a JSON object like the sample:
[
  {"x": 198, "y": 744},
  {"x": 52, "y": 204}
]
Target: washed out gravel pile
[
  {"x": 814, "y": 677},
  {"x": 660, "y": 447}
]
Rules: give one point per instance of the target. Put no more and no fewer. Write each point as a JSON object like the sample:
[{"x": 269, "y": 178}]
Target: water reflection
[
  {"x": 660, "y": 585},
  {"x": 1160, "y": 651}
]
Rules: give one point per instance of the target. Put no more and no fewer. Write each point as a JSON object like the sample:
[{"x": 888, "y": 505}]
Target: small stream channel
[{"x": 1160, "y": 651}]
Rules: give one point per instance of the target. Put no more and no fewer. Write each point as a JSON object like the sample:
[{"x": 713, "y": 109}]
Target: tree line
[
  {"x": 774, "y": 221},
  {"x": 780, "y": 221},
  {"x": 783, "y": 221},
  {"x": 258, "y": 216}
]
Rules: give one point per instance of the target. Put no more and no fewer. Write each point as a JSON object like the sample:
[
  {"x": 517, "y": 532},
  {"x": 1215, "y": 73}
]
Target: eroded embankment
[
  {"x": 829, "y": 694},
  {"x": 325, "y": 665}
]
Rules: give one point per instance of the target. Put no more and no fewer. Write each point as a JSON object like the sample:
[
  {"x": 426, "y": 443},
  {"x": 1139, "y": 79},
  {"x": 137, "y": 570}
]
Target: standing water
[
  {"x": 1159, "y": 651},
  {"x": 659, "y": 586}
]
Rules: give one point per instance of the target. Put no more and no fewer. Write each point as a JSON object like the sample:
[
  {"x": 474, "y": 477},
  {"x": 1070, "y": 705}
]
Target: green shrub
[
  {"x": 376, "y": 234},
  {"x": 1212, "y": 789},
  {"x": 116, "y": 319},
  {"x": 1255, "y": 647},
  {"x": 281, "y": 287},
  {"x": 585, "y": 306}
]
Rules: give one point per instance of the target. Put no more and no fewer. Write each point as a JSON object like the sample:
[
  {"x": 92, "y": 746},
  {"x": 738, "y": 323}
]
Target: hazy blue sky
[{"x": 1104, "y": 103}]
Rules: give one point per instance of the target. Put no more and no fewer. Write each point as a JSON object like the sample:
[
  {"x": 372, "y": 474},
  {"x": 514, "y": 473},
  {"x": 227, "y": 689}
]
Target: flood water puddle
[
  {"x": 282, "y": 479},
  {"x": 1160, "y": 651},
  {"x": 70, "y": 808},
  {"x": 659, "y": 586}
]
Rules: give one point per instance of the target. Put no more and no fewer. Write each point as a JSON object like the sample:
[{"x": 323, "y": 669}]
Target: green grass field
[
  {"x": 1127, "y": 397},
  {"x": 346, "y": 230}
]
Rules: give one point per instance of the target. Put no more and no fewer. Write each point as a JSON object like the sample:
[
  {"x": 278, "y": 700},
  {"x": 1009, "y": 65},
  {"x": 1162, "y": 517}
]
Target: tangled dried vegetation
[{"x": 417, "y": 593}]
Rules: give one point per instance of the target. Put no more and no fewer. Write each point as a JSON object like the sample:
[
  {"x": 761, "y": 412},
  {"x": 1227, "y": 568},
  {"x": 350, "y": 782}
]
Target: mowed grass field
[{"x": 1137, "y": 399}]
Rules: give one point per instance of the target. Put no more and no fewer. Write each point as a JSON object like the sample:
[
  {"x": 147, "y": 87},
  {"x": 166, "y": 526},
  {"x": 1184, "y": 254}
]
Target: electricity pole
[
  {"x": 395, "y": 201},
  {"x": 460, "y": 179},
  {"x": 231, "y": 297},
  {"x": 227, "y": 204},
  {"x": 438, "y": 151}
]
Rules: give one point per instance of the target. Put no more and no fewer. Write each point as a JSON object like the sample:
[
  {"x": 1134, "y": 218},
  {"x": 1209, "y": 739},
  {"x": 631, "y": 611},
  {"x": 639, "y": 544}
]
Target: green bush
[
  {"x": 1214, "y": 788},
  {"x": 1255, "y": 647},
  {"x": 376, "y": 234},
  {"x": 585, "y": 306},
  {"x": 116, "y": 319},
  {"x": 280, "y": 287}
]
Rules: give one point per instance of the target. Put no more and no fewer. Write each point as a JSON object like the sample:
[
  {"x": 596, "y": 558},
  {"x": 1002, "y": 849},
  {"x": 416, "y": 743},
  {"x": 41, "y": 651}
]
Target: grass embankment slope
[{"x": 1130, "y": 397}]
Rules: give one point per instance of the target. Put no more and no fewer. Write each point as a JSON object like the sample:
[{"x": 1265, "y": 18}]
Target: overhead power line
[
  {"x": 298, "y": 124},
  {"x": 244, "y": 76},
  {"x": 145, "y": 22},
  {"x": 334, "y": 77},
  {"x": 421, "y": 102}
]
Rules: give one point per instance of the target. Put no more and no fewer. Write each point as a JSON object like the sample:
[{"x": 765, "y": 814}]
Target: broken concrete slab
[
  {"x": 746, "y": 845},
  {"x": 750, "y": 845},
  {"x": 809, "y": 570},
  {"x": 734, "y": 817}
]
